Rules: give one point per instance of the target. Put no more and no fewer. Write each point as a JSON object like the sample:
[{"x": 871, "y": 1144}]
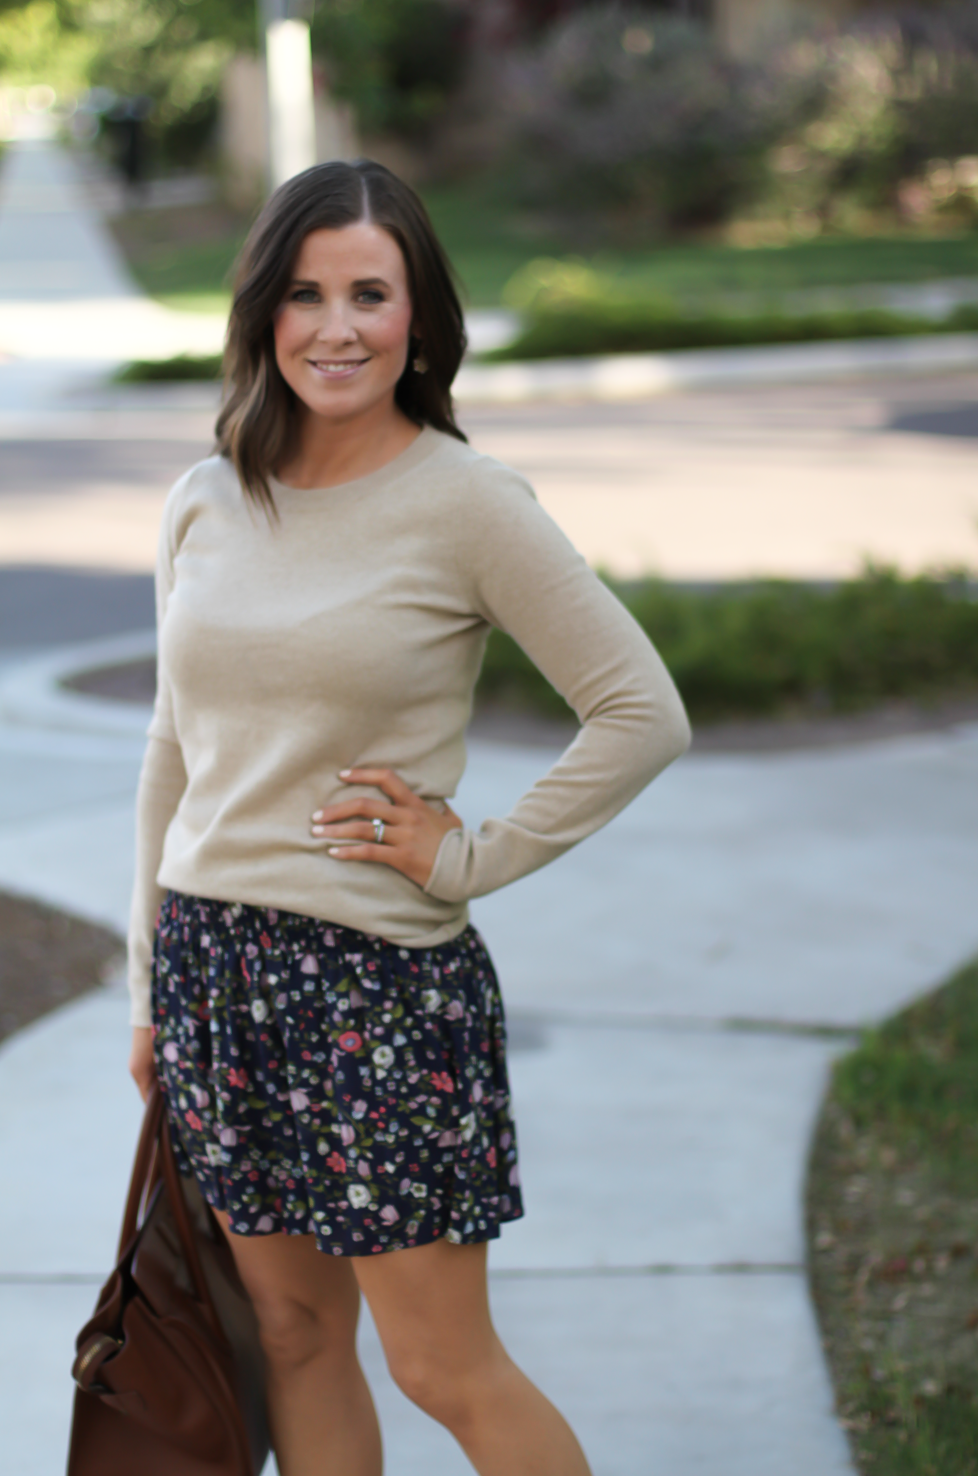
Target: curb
[
  {"x": 637, "y": 376},
  {"x": 31, "y": 694}
]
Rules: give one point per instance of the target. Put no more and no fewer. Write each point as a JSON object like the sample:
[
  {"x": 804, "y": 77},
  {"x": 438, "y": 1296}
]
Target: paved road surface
[{"x": 797, "y": 482}]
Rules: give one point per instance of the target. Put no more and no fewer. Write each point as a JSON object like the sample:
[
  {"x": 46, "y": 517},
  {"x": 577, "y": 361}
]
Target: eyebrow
[{"x": 360, "y": 282}]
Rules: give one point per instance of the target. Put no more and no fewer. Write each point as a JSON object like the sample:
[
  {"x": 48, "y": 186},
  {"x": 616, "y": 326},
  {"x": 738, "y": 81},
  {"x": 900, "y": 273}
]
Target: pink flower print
[
  {"x": 251, "y": 950},
  {"x": 514, "y": 1175},
  {"x": 171, "y": 1051},
  {"x": 201, "y": 1097},
  {"x": 272, "y": 918},
  {"x": 455, "y": 1010},
  {"x": 389, "y": 1215},
  {"x": 363, "y": 1169},
  {"x": 238, "y": 1077},
  {"x": 505, "y": 1140},
  {"x": 265, "y": 1225},
  {"x": 350, "y": 1040},
  {"x": 336, "y": 1163},
  {"x": 194, "y": 1121},
  {"x": 442, "y": 1081},
  {"x": 358, "y": 1109},
  {"x": 264, "y": 940},
  {"x": 299, "y": 1100},
  {"x": 228, "y": 1137},
  {"x": 448, "y": 1140},
  {"x": 309, "y": 965},
  {"x": 477, "y": 1091},
  {"x": 281, "y": 1000},
  {"x": 491, "y": 1158},
  {"x": 356, "y": 998},
  {"x": 347, "y": 1135}
]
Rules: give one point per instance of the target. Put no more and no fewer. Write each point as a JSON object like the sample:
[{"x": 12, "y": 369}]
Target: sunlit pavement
[{"x": 656, "y": 1288}]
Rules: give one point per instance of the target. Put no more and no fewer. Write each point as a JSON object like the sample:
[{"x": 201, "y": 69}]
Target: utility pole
[{"x": 291, "y": 114}]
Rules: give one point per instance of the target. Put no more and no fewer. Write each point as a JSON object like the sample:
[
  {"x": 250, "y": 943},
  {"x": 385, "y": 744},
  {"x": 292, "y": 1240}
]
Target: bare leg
[
  {"x": 431, "y": 1308},
  {"x": 322, "y": 1415}
]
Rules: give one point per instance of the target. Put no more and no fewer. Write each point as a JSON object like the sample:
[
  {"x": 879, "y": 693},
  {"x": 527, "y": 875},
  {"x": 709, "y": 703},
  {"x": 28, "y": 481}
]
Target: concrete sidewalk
[{"x": 656, "y": 1288}]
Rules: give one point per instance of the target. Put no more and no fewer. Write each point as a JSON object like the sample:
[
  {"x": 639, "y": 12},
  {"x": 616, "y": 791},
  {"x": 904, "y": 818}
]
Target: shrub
[
  {"x": 780, "y": 646},
  {"x": 180, "y": 367},
  {"x": 644, "y": 117},
  {"x": 620, "y": 110},
  {"x": 568, "y": 308}
]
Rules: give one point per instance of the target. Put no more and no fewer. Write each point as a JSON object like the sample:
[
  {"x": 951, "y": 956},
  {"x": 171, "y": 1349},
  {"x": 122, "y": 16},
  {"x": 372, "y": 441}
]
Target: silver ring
[{"x": 378, "y": 832}]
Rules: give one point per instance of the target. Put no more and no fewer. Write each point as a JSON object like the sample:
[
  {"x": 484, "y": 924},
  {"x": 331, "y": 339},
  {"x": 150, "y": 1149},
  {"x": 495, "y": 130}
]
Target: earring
[{"x": 420, "y": 364}]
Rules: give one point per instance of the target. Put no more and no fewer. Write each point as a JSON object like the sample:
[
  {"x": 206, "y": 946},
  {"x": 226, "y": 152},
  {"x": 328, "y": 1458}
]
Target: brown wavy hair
[{"x": 257, "y": 421}]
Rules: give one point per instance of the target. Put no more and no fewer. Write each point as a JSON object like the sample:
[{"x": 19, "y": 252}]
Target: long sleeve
[
  {"x": 161, "y": 785},
  {"x": 528, "y": 580},
  {"x": 162, "y": 782}
]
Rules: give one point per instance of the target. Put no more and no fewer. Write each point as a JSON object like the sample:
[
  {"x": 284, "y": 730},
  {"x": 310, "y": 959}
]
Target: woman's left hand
[{"x": 412, "y": 829}]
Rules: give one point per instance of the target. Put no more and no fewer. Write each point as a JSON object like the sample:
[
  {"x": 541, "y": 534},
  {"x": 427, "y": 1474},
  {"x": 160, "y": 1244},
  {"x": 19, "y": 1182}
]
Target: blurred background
[{"x": 719, "y": 260}]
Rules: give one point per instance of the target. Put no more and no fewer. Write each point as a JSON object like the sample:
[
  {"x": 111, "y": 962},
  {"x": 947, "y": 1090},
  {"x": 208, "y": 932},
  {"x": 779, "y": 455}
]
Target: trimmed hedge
[
  {"x": 181, "y": 367},
  {"x": 778, "y": 646},
  {"x": 618, "y": 327}
]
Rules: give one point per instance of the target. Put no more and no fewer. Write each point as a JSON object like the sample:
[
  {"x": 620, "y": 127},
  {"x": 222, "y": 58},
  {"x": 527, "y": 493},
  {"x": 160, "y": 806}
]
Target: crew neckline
[{"x": 419, "y": 450}]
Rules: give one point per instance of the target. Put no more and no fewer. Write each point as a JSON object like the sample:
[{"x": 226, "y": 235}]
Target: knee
[
  {"x": 294, "y": 1334},
  {"x": 444, "y": 1392}
]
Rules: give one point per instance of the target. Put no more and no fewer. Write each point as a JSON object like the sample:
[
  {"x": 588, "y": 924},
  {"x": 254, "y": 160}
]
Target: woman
[{"x": 325, "y": 1023}]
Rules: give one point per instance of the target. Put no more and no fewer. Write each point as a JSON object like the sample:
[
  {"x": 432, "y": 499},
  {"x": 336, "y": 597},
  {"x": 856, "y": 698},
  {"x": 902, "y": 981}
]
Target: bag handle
[
  {"x": 155, "y": 1160},
  {"x": 144, "y": 1172},
  {"x": 185, "y": 1230}
]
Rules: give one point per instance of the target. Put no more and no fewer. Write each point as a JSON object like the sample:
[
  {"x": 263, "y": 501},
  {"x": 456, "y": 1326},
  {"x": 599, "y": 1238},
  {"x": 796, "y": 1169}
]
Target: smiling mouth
[{"x": 336, "y": 368}]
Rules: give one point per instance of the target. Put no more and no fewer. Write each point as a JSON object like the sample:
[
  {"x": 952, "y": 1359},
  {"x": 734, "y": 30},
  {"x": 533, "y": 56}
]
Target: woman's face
[{"x": 342, "y": 331}]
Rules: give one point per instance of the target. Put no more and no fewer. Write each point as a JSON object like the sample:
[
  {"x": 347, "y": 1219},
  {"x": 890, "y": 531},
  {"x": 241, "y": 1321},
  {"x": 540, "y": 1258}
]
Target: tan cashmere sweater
[{"x": 351, "y": 632}]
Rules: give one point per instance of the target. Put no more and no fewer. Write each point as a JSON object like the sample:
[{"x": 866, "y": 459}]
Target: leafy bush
[
  {"x": 645, "y": 117},
  {"x": 897, "y": 127},
  {"x": 396, "y": 61},
  {"x": 617, "y": 110},
  {"x": 778, "y": 646},
  {"x": 568, "y": 308},
  {"x": 180, "y": 367}
]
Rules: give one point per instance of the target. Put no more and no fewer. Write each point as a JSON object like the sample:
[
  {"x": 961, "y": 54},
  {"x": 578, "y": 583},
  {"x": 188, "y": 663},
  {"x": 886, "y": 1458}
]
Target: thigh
[
  {"x": 291, "y": 1281},
  {"x": 430, "y": 1305}
]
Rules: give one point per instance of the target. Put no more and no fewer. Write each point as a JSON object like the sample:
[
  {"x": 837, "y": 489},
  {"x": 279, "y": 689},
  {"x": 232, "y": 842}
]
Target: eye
[
  {"x": 304, "y": 294},
  {"x": 370, "y": 296}
]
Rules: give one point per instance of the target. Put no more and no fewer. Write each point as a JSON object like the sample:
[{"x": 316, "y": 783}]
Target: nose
[{"x": 334, "y": 325}]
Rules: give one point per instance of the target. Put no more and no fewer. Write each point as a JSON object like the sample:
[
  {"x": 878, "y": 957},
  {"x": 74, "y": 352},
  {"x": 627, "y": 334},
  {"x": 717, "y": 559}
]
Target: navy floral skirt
[{"x": 321, "y": 1081}]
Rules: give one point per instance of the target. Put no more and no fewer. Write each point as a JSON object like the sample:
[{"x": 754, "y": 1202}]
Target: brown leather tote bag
[{"x": 169, "y": 1369}]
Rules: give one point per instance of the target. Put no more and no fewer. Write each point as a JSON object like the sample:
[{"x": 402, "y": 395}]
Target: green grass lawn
[
  {"x": 893, "y": 1237},
  {"x": 487, "y": 247},
  {"x": 183, "y": 256}
]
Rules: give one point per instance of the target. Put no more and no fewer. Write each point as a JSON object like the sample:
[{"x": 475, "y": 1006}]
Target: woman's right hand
[{"x": 142, "y": 1067}]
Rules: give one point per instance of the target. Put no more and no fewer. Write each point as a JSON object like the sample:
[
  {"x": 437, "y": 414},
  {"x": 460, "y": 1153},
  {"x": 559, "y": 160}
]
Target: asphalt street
[{"x": 107, "y": 490}]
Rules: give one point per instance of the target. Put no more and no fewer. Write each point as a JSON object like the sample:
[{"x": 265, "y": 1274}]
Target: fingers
[
  {"x": 360, "y": 831},
  {"x": 356, "y": 809}
]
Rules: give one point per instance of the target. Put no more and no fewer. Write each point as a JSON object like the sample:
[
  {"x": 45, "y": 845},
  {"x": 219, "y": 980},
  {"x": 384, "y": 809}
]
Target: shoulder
[
  {"x": 208, "y": 483},
  {"x": 476, "y": 485}
]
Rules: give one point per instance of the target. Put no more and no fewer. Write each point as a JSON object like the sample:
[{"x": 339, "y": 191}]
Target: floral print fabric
[{"x": 323, "y": 1081}]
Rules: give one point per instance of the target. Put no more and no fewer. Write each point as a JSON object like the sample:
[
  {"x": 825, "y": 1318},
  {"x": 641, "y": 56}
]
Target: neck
[{"x": 330, "y": 451}]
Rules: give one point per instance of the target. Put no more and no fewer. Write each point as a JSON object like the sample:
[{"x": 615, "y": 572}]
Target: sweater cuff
[{"x": 447, "y": 879}]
